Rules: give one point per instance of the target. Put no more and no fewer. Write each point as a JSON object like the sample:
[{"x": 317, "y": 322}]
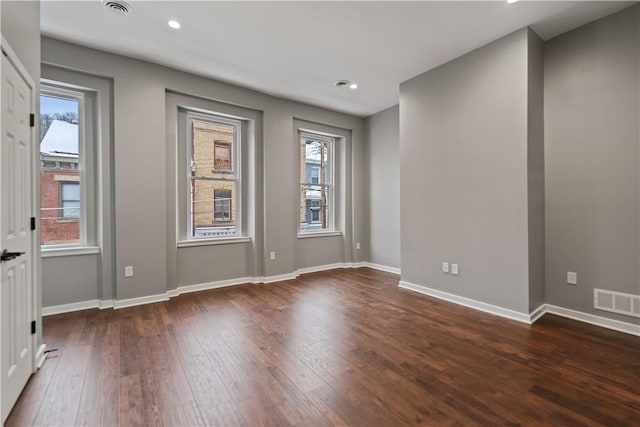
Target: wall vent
[
  {"x": 616, "y": 302},
  {"x": 117, "y": 6}
]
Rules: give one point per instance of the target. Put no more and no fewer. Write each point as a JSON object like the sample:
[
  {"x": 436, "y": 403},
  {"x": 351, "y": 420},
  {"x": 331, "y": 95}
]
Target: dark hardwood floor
[{"x": 345, "y": 347}]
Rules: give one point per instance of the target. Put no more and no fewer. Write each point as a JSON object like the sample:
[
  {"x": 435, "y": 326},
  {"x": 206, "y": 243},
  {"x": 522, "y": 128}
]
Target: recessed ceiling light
[
  {"x": 512, "y": 1},
  {"x": 353, "y": 86},
  {"x": 174, "y": 24}
]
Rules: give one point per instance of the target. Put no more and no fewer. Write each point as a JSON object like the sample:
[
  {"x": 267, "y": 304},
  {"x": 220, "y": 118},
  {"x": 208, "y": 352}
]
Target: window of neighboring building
[
  {"x": 214, "y": 176},
  {"x": 222, "y": 205},
  {"x": 315, "y": 175},
  {"x": 70, "y": 200},
  {"x": 222, "y": 156},
  {"x": 316, "y": 182},
  {"x": 62, "y": 126}
]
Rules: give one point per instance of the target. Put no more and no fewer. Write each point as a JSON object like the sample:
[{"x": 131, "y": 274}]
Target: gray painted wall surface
[
  {"x": 535, "y": 170},
  {"x": 383, "y": 137},
  {"x": 463, "y": 175},
  {"x": 140, "y": 164},
  {"x": 69, "y": 279},
  {"x": 592, "y": 139}
]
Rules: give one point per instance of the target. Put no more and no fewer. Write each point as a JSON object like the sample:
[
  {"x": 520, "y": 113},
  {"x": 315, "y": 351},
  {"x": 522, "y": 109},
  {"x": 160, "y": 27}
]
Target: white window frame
[
  {"x": 331, "y": 141},
  {"x": 234, "y": 176},
  {"x": 50, "y": 89}
]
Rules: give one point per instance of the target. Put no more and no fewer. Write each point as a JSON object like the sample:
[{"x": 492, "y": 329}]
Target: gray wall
[
  {"x": 591, "y": 100},
  {"x": 535, "y": 170},
  {"x": 383, "y": 138},
  {"x": 140, "y": 165},
  {"x": 463, "y": 175}
]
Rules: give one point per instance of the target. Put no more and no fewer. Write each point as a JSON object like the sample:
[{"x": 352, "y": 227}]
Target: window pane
[
  {"x": 222, "y": 156},
  {"x": 70, "y": 200},
  {"x": 59, "y": 171},
  {"x": 315, "y": 183},
  {"x": 314, "y": 207},
  {"x": 211, "y": 150},
  {"x": 213, "y": 208}
]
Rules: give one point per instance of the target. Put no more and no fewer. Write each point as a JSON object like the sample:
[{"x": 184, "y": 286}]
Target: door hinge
[
  {"x": 32, "y": 120},
  {"x": 33, "y": 223},
  {"x": 33, "y": 327}
]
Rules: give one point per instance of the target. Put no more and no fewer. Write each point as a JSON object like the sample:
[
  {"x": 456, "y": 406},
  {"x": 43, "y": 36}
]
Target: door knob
[{"x": 8, "y": 256}]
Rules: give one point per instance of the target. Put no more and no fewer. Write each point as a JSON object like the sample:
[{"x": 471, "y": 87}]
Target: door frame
[{"x": 38, "y": 351}]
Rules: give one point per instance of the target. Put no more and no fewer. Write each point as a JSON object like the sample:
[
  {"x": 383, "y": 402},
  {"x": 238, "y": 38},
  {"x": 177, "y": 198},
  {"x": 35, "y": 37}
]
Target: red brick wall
[{"x": 52, "y": 229}]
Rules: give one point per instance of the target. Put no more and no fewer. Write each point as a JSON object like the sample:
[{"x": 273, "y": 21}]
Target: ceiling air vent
[
  {"x": 117, "y": 6},
  {"x": 341, "y": 83}
]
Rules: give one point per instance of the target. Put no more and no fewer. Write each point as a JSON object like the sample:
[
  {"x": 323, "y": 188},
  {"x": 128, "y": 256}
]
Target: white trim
[
  {"x": 311, "y": 234},
  {"x": 207, "y": 242},
  {"x": 278, "y": 278},
  {"x": 70, "y": 251},
  {"x": 105, "y": 303},
  {"x": 468, "y": 302},
  {"x": 381, "y": 267},
  {"x": 68, "y": 308},
  {"x": 150, "y": 299},
  {"x": 537, "y": 313},
  {"x": 210, "y": 285},
  {"x": 604, "y": 322},
  {"x": 40, "y": 356},
  {"x": 317, "y": 268}
]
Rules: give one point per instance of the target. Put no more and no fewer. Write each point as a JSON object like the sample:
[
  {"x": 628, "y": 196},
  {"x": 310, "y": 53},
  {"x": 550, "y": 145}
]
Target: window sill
[
  {"x": 69, "y": 251},
  {"x": 312, "y": 234},
  {"x": 208, "y": 242}
]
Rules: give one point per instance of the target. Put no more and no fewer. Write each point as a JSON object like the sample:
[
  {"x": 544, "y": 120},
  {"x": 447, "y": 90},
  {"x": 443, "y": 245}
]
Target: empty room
[{"x": 320, "y": 213}]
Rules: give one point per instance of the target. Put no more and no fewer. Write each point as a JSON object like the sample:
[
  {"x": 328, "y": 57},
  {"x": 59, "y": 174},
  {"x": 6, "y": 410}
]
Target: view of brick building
[
  {"x": 59, "y": 185},
  {"x": 213, "y": 184}
]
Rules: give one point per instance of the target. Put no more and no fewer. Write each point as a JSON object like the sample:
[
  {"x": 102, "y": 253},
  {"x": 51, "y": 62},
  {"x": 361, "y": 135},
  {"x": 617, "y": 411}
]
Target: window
[
  {"x": 214, "y": 176},
  {"x": 315, "y": 175},
  {"x": 70, "y": 200},
  {"x": 222, "y": 205},
  {"x": 316, "y": 182},
  {"x": 222, "y": 156},
  {"x": 62, "y": 127}
]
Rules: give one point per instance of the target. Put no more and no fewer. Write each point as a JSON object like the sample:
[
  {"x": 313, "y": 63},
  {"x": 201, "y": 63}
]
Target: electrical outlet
[
  {"x": 454, "y": 269},
  {"x": 445, "y": 267},
  {"x": 128, "y": 271},
  {"x": 272, "y": 255},
  {"x": 572, "y": 278},
  {"x": 358, "y": 246}
]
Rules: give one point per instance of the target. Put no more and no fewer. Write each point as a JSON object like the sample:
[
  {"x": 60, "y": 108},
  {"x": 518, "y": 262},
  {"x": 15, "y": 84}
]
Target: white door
[{"x": 16, "y": 304}]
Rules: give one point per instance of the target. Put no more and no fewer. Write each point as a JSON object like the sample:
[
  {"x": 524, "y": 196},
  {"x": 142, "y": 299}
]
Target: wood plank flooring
[{"x": 345, "y": 347}]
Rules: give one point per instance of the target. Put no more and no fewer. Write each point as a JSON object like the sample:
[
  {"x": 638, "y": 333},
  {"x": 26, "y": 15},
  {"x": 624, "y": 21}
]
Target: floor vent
[{"x": 616, "y": 302}]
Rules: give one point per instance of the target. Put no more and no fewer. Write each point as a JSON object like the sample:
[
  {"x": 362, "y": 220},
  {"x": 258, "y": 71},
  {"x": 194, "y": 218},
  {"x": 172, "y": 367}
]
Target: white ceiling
[{"x": 298, "y": 49}]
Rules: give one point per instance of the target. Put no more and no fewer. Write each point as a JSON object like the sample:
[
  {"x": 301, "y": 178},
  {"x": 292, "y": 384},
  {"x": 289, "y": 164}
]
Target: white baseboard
[
  {"x": 593, "y": 319},
  {"x": 530, "y": 318},
  {"x": 381, "y": 267},
  {"x": 130, "y": 302},
  {"x": 105, "y": 303},
  {"x": 40, "y": 356},
  {"x": 278, "y": 278},
  {"x": 205, "y": 286},
  {"x": 468, "y": 302},
  {"x": 68, "y": 308},
  {"x": 537, "y": 313}
]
